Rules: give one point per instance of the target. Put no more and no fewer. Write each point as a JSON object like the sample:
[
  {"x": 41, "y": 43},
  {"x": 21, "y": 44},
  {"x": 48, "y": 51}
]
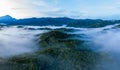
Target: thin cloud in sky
[{"x": 60, "y": 8}]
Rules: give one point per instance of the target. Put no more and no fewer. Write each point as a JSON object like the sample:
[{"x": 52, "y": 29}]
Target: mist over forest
[{"x": 59, "y": 44}]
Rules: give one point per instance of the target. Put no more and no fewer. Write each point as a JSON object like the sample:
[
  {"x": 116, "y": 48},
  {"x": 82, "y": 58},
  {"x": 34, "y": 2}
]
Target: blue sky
[{"x": 95, "y": 9}]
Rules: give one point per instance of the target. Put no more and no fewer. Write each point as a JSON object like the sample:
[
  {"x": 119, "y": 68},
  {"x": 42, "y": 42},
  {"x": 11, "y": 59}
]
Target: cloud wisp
[{"x": 60, "y": 8}]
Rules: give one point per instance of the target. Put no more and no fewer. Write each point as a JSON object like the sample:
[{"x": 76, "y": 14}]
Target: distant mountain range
[{"x": 8, "y": 20}]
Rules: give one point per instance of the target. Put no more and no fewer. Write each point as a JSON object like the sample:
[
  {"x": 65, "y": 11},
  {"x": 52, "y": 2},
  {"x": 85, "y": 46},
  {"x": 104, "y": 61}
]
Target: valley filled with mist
[{"x": 27, "y": 47}]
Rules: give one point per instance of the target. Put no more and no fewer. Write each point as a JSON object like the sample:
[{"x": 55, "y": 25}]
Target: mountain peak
[{"x": 7, "y": 18}]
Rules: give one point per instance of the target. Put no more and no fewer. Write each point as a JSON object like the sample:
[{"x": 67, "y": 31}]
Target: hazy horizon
[{"x": 109, "y": 18}]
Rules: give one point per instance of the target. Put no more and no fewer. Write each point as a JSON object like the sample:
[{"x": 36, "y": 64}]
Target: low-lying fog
[
  {"x": 21, "y": 39},
  {"x": 15, "y": 40},
  {"x": 107, "y": 39}
]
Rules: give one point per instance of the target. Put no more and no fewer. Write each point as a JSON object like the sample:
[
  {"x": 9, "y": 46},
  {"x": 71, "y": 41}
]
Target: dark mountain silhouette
[
  {"x": 57, "y": 21},
  {"x": 7, "y": 18}
]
